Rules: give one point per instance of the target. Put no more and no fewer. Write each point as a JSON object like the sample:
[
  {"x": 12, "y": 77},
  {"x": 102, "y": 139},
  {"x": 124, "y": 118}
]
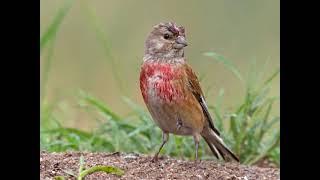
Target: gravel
[{"x": 138, "y": 166}]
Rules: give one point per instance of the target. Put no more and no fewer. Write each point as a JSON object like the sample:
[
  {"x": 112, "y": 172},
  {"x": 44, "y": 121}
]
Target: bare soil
[{"x": 138, "y": 166}]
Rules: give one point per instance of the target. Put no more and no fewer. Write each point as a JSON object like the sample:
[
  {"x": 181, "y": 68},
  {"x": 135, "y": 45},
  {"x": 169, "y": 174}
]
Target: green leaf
[
  {"x": 59, "y": 178},
  {"x": 106, "y": 169}
]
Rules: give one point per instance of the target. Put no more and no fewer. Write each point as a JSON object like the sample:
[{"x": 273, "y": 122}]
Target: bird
[{"x": 172, "y": 92}]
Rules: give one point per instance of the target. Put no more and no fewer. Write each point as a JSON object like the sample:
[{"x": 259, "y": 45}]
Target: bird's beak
[{"x": 181, "y": 41}]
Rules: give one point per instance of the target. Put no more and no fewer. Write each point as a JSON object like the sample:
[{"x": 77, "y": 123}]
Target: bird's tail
[{"x": 217, "y": 145}]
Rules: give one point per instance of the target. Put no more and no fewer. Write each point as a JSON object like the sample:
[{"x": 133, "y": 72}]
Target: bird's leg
[
  {"x": 165, "y": 137},
  {"x": 196, "y": 138},
  {"x": 179, "y": 124}
]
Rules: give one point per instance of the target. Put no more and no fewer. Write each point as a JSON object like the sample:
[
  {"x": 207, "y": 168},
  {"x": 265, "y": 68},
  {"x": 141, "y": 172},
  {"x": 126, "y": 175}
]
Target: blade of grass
[
  {"x": 139, "y": 130},
  {"x": 252, "y": 75},
  {"x": 51, "y": 31},
  {"x": 220, "y": 97},
  {"x": 226, "y": 62},
  {"x": 272, "y": 77},
  {"x": 259, "y": 99},
  {"x": 143, "y": 115},
  {"x": 106, "y": 169},
  {"x": 78, "y": 132},
  {"x": 274, "y": 143},
  {"x": 267, "y": 126},
  {"x": 81, "y": 162},
  {"x": 58, "y": 178},
  {"x": 69, "y": 172},
  {"x": 46, "y": 71},
  {"x": 141, "y": 143},
  {"x": 218, "y": 119},
  {"x": 104, "y": 41},
  {"x": 256, "y": 121},
  {"x": 264, "y": 69},
  {"x": 265, "y": 119},
  {"x": 98, "y": 104}
]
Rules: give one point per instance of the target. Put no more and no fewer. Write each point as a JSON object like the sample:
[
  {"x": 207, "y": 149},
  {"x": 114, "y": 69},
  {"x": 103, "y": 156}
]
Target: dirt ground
[{"x": 140, "y": 167}]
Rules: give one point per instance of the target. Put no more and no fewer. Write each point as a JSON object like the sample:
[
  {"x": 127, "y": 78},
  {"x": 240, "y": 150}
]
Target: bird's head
[{"x": 166, "y": 40}]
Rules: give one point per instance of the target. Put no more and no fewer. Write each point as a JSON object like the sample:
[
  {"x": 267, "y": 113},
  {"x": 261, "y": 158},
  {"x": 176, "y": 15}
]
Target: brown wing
[{"x": 197, "y": 92}]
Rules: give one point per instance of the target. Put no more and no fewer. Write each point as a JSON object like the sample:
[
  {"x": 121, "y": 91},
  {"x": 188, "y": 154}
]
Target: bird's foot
[
  {"x": 196, "y": 162},
  {"x": 179, "y": 124},
  {"x": 154, "y": 159}
]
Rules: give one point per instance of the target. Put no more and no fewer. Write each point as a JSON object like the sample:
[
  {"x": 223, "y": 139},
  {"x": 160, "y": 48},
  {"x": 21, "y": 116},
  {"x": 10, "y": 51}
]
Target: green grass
[
  {"x": 84, "y": 172},
  {"x": 47, "y": 117},
  {"x": 252, "y": 133},
  {"x": 249, "y": 129}
]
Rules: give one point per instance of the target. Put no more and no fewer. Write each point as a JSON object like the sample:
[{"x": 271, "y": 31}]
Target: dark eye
[{"x": 166, "y": 36}]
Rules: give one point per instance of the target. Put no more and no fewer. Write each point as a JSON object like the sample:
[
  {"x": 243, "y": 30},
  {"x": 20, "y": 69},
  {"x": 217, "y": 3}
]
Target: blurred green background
[
  {"x": 239, "y": 30},
  {"x": 96, "y": 48}
]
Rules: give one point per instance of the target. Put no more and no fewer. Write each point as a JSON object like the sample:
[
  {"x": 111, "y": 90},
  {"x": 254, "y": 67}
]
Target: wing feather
[{"x": 194, "y": 87}]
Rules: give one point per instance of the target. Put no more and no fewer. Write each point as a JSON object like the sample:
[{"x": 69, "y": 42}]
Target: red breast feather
[{"x": 162, "y": 79}]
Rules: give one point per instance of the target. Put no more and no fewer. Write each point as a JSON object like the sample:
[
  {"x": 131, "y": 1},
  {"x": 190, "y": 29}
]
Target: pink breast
[{"x": 160, "y": 77}]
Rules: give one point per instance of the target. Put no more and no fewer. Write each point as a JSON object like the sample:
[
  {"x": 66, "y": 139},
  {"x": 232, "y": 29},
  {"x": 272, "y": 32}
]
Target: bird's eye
[{"x": 166, "y": 36}]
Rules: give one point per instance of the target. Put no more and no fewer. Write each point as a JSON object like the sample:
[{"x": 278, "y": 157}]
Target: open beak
[{"x": 181, "y": 40}]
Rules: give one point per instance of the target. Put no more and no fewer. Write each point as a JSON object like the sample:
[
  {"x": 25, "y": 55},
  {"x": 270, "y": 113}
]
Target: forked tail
[{"x": 217, "y": 145}]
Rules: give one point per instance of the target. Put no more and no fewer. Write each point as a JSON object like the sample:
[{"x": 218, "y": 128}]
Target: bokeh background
[{"x": 99, "y": 48}]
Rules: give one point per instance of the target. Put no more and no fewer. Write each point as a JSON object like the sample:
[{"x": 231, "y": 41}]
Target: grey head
[{"x": 166, "y": 40}]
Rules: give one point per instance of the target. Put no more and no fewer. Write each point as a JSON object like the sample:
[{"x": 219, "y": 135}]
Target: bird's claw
[
  {"x": 154, "y": 159},
  {"x": 179, "y": 124}
]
